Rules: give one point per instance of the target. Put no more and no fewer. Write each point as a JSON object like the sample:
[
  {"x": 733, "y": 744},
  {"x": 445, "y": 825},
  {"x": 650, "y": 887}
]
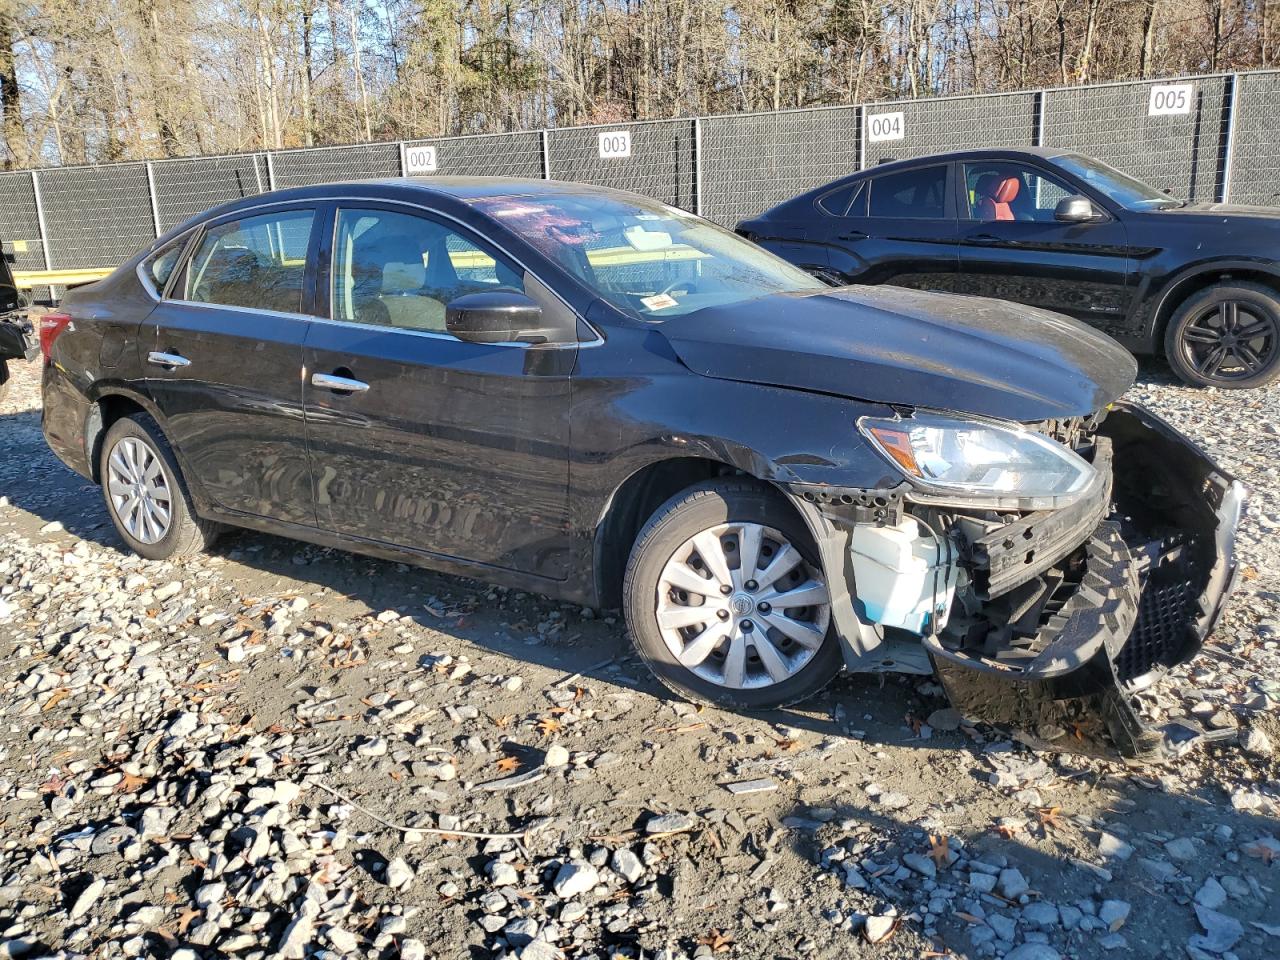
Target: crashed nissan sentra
[{"x": 583, "y": 393}]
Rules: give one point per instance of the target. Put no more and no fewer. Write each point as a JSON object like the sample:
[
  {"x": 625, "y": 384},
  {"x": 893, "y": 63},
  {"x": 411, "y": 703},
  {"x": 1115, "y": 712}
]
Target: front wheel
[
  {"x": 726, "y": 599},
  {"x": 1226, "y": 336}
]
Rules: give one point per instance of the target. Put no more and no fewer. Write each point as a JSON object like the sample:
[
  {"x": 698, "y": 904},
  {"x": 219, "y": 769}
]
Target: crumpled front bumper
[{"x": 1158, "y": 569}]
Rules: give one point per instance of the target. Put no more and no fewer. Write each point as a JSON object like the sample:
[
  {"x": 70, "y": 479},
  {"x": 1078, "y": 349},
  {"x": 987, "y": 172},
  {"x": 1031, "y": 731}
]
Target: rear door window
[
  {"x": 258, "y": 262},
  {"x": 158, "y": 267},
  {"x": 919, "y": 194},
  {"x": 847, "y": 201}
]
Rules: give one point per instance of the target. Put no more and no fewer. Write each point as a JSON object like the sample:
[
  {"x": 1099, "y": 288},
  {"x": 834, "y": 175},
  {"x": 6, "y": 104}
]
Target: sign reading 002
[
  {"x": 420, "y": 159},
  {"x": 885, "y": 126},
  {"x": 615, "y": 143}
]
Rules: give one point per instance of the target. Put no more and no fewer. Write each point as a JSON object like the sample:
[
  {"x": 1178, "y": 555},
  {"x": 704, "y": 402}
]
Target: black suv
[
  {"x": 1198, "y": 282},
  {"x": 587, "y": 394}
]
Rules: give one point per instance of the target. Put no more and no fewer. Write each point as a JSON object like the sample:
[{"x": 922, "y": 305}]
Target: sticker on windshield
[{"x": 659, "y": 302}]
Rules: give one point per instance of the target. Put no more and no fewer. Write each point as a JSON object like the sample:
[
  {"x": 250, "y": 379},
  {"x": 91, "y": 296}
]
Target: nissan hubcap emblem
[{"x": 741, "y": 605}]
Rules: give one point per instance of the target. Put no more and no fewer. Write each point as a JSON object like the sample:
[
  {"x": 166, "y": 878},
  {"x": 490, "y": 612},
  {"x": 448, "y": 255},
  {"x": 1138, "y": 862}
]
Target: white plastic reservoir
[{"x": 902, "y": 576}]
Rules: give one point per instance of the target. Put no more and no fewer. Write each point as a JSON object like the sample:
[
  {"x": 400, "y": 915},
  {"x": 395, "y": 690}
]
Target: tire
[
  {"x": 1204, "y": 344},
  {"x": 719, "y": 510},
  {"x": 141, "y": 445},
  {"x": 4, "y": 379}
]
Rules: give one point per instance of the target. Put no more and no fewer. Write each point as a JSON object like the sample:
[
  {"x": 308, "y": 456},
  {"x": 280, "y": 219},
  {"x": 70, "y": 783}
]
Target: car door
[
  {"x": 223, "y": 357},
  {"x": 1012, "y": 246},
  {"x": 459, "y": 449},
  {"x": 898, "y": 227}
]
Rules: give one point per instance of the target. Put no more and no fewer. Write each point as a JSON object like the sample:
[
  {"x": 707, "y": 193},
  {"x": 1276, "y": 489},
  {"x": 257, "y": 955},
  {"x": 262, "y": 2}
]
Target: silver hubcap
[
  {"x": 138, "y": 491},
  {"x": 740, "y": 607}
]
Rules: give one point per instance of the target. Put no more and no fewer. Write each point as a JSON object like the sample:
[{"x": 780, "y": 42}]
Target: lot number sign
[
  {"x": 885, "y": 126},
  {"x": 615, "y": 143},
  {"x": 1170, "y": 99},
  {"x": 419, "y": 160}
]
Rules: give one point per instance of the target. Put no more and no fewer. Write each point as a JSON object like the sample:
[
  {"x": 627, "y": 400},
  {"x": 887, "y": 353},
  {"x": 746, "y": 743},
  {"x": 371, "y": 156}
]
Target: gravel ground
[{"x": 278, "y": 750}]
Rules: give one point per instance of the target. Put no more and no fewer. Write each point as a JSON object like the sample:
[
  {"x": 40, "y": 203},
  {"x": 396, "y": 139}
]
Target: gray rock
[
  {"x": 183, "y": 725},
  {"x": 877, "y": 928},
  {"x": 539, "y": 949},
  {"x": 574, "y": 878},
  {"x": 1211, "y": 894},
  {"x": 1033, "y": 951},
  {"x": 1113, "y": 848},
  {"x": 627, "y": 865},
  {"x": 399, "y": 874},
  {"x": 1220, "y": 931},
  {"x": 1043, "y": 915},
  {"x": 946, "y": 719},
  {"x": 411, "y": 949},
  {"x": 982, "y": 882},
  {"x": 921, "y": 864},
  {"x": 1257, "y": 743},
  {"x": 520, "y": 931},
  {"x": 1159, "y": 870},
  {"x": 300, "y": 932},
  {"x": 1005, "y": 928},
  {"x": 502, "y": 873},
  {"x": 556, "y": 756},
  {"x": 1013, "y": 884},
  {"x": 670, "y": 823},
  {"x": 1113, "y": 913},
  {"x": 1182, "y": 848},
  {"x": 88, "y": 897}
]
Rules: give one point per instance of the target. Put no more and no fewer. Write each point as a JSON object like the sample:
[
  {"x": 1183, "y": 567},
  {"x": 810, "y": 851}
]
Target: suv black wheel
[
  {"x": 1226, "y": 336},
  {"x": 726, "y": 599},
  {"x": 145, "y": 493}
]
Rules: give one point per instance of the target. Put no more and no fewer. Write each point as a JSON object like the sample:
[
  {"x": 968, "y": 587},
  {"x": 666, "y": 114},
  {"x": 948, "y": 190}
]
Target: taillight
[{"x": 51, "y": 326}]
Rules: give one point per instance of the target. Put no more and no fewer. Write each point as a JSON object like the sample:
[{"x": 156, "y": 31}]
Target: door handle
[
  {"x": 987, "y": 238},
  {"x": 338, "y": 384},
  {"x": 170, "y": 361},
  {"x": 852, "y": 235}
]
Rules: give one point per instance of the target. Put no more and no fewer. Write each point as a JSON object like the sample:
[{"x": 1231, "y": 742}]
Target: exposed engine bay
[{"x": 1048, "y": 620}]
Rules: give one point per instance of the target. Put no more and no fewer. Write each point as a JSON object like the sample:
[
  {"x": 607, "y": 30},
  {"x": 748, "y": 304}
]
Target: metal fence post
[
  {"x": 546, "y": 156},
  {"x": 404, "y": 163},
  {"x": 271, "y": 172},
  {"x": 1228, "y": 155},
  {"x": 44, "y": 229},
  {"x": 697, "y": 165},
  {"x": 1039, "y": 104},
  {"x": 155, "y": 204}
]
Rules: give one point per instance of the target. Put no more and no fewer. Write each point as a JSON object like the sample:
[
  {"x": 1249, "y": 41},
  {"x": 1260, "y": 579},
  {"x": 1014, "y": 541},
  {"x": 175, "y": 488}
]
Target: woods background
[{"x": 88, "y": 81}]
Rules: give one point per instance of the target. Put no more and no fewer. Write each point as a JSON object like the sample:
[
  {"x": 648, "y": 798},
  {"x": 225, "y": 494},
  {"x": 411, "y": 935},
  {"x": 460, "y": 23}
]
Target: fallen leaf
[
  {"x": 131, "y": 784},
  {"x": 549, "y": 725},
  {"x": 940, "y": 850},
  {"x": 717, "y": 940},
  {"x": 1007, "y": 831},
  {"x": 1262, "y": 851},
  {"x": 1051, "y": 817},
  {"x": 507, "y": 764},
  {"x": 185, "y": 918},
  {"x": 786, "y": 745},
  {"x": 58, "y": 696}
]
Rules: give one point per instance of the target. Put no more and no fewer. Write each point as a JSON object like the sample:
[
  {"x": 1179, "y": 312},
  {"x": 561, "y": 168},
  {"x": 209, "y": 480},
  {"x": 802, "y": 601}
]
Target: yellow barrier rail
[{"x": 26, "y": 279}]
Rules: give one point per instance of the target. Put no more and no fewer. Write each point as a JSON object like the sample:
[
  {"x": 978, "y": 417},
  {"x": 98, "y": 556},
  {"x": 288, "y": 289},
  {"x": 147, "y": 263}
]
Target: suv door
[
  {"x": 455, "y": 448},
  {"x": 225, "y": 359},
  {"x": 899, "y": 228},
  {"x": 1012, "y": 246}
]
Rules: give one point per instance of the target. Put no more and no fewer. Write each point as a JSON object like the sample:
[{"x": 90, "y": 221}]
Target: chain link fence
[{"x": 1206, "y": 138}]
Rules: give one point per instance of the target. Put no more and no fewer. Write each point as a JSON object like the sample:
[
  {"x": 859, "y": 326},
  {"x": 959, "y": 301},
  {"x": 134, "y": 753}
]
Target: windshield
[
  {"x": 1129, "y": 192},
  {"x": 647, "y": 258}
]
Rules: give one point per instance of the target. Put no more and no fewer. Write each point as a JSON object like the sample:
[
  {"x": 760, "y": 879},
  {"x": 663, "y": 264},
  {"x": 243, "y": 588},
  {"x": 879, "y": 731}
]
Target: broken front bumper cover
[
  {"x": 1154, "y": 558},
  {"x": 1157, "y": 574}
]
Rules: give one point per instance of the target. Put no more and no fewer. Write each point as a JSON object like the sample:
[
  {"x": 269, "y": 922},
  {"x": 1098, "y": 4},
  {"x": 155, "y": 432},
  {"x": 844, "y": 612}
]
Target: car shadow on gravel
[{"x": 863, "y": 848}]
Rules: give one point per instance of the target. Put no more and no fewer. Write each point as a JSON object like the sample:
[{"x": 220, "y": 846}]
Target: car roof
[{"x": 976, "y": 153}]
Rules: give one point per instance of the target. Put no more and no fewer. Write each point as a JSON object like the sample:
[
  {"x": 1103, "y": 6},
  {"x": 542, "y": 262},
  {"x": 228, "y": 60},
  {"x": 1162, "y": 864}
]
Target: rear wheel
[
  {"x": 1226, "y": 336},
  {"x": 146, "y": 495},
  {"x": 726, "y": 599}
]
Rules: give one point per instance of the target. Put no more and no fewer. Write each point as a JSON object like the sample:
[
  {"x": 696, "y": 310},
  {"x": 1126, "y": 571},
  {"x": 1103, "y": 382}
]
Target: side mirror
[
  {"x": 500, "y": 316},
  {"x": 1075, "y": 209}
]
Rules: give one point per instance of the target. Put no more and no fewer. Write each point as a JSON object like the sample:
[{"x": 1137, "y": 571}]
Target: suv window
[
  {"x": 159, "y": 266},
  {"x": 401, "y": 270},
  {"x": 256, "y": 262},
  {"x": 847, "y": 201},
  {"x": 916, "y": 194},
  {"x": 1011, "y": 191}
]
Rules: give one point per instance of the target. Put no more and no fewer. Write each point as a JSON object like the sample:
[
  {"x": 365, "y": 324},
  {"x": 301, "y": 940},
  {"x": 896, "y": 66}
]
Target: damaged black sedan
[{"x": 598, "y": 397}]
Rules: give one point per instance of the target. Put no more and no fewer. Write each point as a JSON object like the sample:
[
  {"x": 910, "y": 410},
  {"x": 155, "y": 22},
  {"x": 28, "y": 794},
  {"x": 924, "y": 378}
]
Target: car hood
[
  {"x": 898, "y": 346},
  {"x": 1219, "y": 210}
]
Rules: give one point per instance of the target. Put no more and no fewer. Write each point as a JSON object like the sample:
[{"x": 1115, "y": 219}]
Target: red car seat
[{"x": 995, "y": 193}]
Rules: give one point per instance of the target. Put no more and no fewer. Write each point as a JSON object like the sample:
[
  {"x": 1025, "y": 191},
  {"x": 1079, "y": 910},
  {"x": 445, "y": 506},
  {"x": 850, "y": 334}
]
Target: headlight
[{"x": 978, "y": 463}]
